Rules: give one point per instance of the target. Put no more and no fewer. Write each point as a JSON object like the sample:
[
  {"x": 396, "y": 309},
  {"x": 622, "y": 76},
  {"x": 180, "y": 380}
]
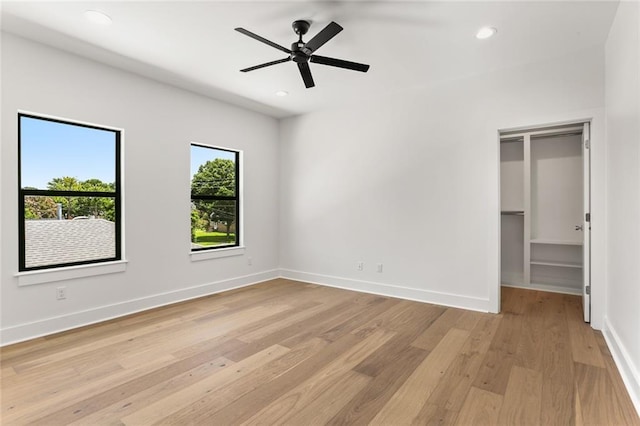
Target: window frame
[
  {"x": 23, "y": 193},
  {"x": 237, "y": 198}
]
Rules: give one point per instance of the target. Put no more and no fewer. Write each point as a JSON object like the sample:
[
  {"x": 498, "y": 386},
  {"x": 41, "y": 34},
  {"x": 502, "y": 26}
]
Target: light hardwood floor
[{"x": 284, "y": 352}]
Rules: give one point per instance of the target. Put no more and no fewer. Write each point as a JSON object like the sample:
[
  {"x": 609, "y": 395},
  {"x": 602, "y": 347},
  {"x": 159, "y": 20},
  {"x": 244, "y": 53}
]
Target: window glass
[{"x": 52, "y": 152}]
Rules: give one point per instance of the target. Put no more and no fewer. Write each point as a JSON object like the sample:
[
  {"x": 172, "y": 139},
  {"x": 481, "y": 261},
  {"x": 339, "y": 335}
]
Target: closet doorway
[{"x": 545, "y": 210}]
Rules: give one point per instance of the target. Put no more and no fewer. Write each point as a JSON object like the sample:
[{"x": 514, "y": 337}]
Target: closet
[{"x": 544, "y": 198}]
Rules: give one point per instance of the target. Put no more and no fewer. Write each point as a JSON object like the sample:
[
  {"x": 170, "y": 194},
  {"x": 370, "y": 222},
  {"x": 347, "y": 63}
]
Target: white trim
[
  {"x": 70, "y": 120},
  {"x": 418, "y": 295},
  {"x": 240, "y": 178},
  {"x": 533, "y": 128},
  {"x": 98, "y": 268},
  {"x": 624, "y": 362},
  {"x": 69, "y": 272},
  {"x": 32, "y": 330},
  {"x": 596, "y": 118},
  {"x": 197, "y": 256}
]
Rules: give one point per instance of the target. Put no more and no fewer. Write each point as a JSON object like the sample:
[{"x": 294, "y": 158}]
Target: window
[
  {"x": 69, "y": 193},
  {"x": 215, "y": 200}
]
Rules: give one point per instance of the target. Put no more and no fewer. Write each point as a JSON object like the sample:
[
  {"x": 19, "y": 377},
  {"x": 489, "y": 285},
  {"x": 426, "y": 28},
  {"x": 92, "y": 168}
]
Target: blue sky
[
  {"x": 49, "y": 150},
  {"x": 200, "y": 155}
]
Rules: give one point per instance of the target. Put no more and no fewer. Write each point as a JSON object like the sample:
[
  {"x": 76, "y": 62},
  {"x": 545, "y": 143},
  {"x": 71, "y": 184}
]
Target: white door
[{"x": 586, "y": 226}]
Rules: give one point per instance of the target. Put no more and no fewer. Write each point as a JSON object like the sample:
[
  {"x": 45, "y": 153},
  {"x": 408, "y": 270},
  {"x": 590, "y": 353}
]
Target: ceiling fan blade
[
  {"x": 262, "y": 39},
  {"x": 333, "y": 62},
  {"x": 322, "y": 37},
  {"x": 279, "y": 61},
  {"x": 305, "y": 72}
]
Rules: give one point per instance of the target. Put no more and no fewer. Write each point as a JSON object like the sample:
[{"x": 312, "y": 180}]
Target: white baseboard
[
  {"x": 624, "y": 362},
  {"x": 445, "y": 299},
  {"x": 27, "y": 331}
]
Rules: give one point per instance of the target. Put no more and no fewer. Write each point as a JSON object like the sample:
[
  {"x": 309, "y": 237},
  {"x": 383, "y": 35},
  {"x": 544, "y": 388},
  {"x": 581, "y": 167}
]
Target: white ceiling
[{"x": 409, "y": 45}]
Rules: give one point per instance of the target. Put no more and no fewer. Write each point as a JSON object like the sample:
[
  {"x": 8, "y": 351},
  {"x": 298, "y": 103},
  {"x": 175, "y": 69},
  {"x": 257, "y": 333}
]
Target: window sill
[
  {"x": 197, "y": 256},
  {"x": 70, "y": 272}
]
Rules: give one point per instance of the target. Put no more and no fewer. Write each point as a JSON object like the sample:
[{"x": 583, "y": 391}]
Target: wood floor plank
[
  {"x": 409, "y": 399},
  {"x": 594, "y": 388},
  {"x": 496, "y": 367},
  {"x": 584, "y": 347},
  {"x": 376, "y": 307},
  {"x": 578, "y": 407},
  {"x": 300, "y": 331},
  {"x": 362, "y": 302},
  {"x": 311, "y": 404},
  {"x": 288, "y": 318},
  {"x": 514, "y": 300},
  {"x": 558, "y": 380},
  {"x": 414, "y": 326},
  {"x": 480, "y": 408},
  {"x": 387, "y": 380},
  {"x": 241, "y": 409},
  {"x": 49, "y": 393},
  {"x": 46, "y": 403},
  {"x": 163, "y": 407},
  {"x": 626, "y": 405},
  {"x": 432, "y": 414},
  {"x": 455, "y": 384},
  {"x": 284, "y": 352},
  {"x": 432, "y": 335},
  {"x": 199, "y": 411},
  {"x": 522, "y": 400},
  {"x": 328, "y": 378},
  {"x": 91, "y": 403},
  {"x": 528, "y": 353}
]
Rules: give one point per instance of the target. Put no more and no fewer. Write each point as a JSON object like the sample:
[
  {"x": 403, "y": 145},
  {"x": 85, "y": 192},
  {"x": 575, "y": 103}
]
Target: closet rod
[{"x": 513, "y": 212}]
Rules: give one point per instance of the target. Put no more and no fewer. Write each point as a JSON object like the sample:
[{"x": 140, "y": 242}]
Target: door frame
[{"x": 495, "y": 292}]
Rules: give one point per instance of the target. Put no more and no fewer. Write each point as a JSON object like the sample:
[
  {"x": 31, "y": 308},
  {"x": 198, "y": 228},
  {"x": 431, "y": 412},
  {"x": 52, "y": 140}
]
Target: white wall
[
  {"x": 159, "y": 122},
  {"x": 622, "y": 324},
  {"x": 412, "y": 182}
]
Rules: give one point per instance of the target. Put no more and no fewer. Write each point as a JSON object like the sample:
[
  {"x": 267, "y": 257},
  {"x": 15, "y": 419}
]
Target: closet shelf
[
  {"x": 558, "y": 264},
  {"x": 558, "y": 242}
]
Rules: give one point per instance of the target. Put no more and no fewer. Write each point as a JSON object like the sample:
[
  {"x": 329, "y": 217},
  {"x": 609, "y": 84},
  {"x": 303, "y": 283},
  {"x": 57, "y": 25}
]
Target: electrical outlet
[
  {"x": 360, "y": 266},
  {"x": 379, "y": 267},
  {"x": 61, "y": 293},
  {"x": 249, "y": 260}
]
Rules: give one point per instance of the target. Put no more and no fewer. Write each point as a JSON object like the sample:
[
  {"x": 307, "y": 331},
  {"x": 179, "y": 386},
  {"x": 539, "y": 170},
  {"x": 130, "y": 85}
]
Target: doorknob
[{"x": 579, "y": 227}]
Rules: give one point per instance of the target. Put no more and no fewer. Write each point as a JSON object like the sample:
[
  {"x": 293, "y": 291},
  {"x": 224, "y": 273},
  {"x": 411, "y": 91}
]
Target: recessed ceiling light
[
  {"x": 486, "y": 32},
  {"x": 97, "y": 17},
  {"x": 281, "y": 93}
]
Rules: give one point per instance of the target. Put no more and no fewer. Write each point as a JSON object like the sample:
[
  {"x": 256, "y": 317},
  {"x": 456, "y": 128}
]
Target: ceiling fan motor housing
[{"x": 297, "y": 52}]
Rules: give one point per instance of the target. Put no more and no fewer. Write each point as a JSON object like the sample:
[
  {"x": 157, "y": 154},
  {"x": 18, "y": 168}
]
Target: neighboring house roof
[{"x": 50, "y": 242}]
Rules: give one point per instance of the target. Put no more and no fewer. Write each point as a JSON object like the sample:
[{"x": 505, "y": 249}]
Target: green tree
[
  {"x": 39, "y": 208},
  {"x": 96, "y": 206},
  {"x": 73, "y": 206},
  {"x": 216, "y": 177},
  {"x": 66, "y": 183}
]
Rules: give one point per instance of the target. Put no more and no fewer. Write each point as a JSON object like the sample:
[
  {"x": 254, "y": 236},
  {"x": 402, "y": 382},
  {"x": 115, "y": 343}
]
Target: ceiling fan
[{"x": 302, "y": 53}]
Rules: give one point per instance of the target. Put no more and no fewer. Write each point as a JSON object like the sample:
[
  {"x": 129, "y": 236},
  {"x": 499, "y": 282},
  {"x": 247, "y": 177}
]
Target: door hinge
[
  {"x": 586, "y": 144},
  {"x": 587, "y": 290},
  {"x": 587, "y": 217}
]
